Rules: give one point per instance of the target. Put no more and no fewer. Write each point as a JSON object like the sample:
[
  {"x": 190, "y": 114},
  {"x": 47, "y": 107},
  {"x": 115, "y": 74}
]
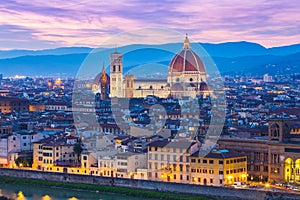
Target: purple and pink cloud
[{"x": 39, "y": 24}]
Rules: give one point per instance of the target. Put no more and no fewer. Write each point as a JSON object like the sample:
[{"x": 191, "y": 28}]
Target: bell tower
[{"x": 116, "y": 70}]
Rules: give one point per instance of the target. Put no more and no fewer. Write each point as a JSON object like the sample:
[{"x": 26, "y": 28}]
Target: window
[
  {"x": 211, "y": 181},
  {"x": 221, "y": 172},
  {"x": 256, "y": 168},
  {"x": 193, "y": 160},
  {"x": 204, "y": 161},
  {"x": 181, "y": 158},
  {"x": 181, "y": 167},
  {"x": 211, "y": 161},
  {"x": 220, "y": 162},
  {"x": 168, "y": 158},
  {"x": 256, "y": 155}
]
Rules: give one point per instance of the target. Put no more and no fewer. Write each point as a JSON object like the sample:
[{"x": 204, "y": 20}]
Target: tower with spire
[
  {"x": 104, "y": 85},
  {"x": 101, "y": 85}
]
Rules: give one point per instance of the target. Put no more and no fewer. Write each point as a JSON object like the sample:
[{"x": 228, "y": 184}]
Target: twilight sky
[{"x": 40, "y": 24}]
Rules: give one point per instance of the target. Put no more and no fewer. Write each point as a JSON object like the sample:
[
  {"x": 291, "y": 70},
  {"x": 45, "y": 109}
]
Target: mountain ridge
[{"x": 232, "y": 57}]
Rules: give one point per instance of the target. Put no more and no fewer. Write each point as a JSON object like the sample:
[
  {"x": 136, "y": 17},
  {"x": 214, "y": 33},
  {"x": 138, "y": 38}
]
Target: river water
[{"x": 29, "y": 192}]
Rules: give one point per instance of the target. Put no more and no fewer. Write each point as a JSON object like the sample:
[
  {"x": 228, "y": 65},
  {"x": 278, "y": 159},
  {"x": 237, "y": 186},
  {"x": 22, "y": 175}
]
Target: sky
[{"x": 42, "y": 24}]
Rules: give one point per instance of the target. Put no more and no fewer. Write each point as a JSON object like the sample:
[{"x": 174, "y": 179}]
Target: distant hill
[
  {"x": 57, "y": 51},
  {"x": 230, "y": 57}
]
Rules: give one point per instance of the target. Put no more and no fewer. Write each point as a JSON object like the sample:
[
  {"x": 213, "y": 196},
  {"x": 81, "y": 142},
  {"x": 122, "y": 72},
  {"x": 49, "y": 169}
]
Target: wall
[{"x": 224, "y": 193}]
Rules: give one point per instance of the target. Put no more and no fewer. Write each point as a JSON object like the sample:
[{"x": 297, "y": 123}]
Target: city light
[{"x": 46, "y": 197}]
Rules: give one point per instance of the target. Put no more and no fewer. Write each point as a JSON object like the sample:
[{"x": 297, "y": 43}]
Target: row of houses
[{"x": 172, "y": 160}]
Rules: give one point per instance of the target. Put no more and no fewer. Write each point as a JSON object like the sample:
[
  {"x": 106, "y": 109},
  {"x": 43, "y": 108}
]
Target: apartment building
[
  {"x": 218, "y": 168},
  {"x": 170, "y": 160}
]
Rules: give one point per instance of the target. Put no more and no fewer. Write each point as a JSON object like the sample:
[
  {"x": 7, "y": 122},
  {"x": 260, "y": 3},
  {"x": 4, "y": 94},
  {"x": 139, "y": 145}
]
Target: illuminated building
[
  {"x": 11, "y": 104},
  {"x": 186, "y": 77},
  {"x": 170, "y": 160},
  {"x": 219, "y": 167},
  {"x": 275, "y": 158}
]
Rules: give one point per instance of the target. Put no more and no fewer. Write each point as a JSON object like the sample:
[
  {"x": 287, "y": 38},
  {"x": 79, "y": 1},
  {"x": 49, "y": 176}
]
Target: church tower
[
  {"x": 104, "y": 85},
  {"x": 116, "y": 70}
]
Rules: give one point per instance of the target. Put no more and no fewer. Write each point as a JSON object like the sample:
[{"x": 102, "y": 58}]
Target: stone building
[
  {"x": 275, "y": 158},
  {"x": 186, "y": 77},
  {"x": 219, "y": 167},
  {"x": 12, "y": 104}
]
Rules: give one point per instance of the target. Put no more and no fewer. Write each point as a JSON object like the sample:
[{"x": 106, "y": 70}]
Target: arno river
[{"x": 28, "y": 192}]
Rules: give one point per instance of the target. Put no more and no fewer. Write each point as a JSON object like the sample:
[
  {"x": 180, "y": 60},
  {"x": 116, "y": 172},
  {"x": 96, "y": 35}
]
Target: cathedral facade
[{"x": 186, "y": 77}]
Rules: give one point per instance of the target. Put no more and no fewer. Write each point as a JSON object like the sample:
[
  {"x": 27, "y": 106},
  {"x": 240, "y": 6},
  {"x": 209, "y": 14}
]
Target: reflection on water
[
  {"x": 46, "y": 197},
  {"x": 20, "y": 196},
  {"x": 29, "y": 192}
]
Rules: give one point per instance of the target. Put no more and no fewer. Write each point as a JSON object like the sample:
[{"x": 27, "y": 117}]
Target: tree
[
  {"x": 77, "y": 148},
  {"x": 24, "y": 161}
]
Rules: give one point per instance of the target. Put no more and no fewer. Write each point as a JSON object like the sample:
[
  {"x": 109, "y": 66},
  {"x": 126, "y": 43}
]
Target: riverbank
[
  {"x": 136, "y": 187},
  {"x": 103, "y": 189}
]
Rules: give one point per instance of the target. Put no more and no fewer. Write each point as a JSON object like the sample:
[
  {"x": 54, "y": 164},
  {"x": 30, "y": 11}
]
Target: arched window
[{"x": 275, "y": 130}]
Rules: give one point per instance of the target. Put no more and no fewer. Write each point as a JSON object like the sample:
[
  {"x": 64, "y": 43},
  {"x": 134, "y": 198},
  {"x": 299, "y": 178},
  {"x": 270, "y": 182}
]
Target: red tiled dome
[{"x": 186, "y": 61}]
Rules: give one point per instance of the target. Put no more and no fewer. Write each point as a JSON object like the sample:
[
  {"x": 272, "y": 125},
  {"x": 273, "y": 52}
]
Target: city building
[
  {"x": 12, "y": 104},
  {"x": 186, "y": 77},
  {"x": 170, "y": 160},
  {"x": 218, "y": 168},
  {"x": 55, "y": 153},
  {"x": 273, "y": 158},
  {"x": 9, "y": 149}
]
